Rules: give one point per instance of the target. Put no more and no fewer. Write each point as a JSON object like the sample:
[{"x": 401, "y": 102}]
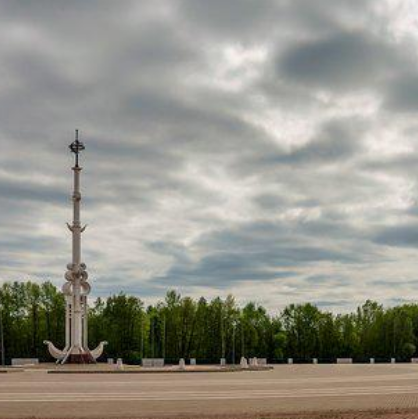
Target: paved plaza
[{"x": 286, "y": 388}]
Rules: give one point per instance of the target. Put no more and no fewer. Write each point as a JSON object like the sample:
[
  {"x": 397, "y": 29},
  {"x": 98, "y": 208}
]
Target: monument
[{"x": 76, "y": 289}]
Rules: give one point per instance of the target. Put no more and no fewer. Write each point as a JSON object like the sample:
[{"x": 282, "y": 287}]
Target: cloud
[
  {"x": 341, "y": 61},
  {"x": 402, "y": 94},
  {"x": 261, "y": 148},
  {"x": 402, "y": 235},
  {"x": 253, "y": 252},
  {"x": 231, "y": 18}
]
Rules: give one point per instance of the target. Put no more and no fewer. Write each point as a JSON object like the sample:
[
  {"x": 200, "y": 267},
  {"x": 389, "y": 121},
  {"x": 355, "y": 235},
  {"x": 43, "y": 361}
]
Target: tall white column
[
  {"x": 76, "y": 288},
  {"x": 76, "y": 232}
]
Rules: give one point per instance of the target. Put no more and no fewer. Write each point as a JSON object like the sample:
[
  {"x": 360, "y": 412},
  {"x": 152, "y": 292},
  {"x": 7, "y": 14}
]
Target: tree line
[{"x": 183, "y": 327}]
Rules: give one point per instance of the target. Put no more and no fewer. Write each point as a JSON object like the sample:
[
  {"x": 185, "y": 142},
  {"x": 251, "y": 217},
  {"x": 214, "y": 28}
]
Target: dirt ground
[
  {"x": 286, "y": 392},
  {"x": 374, "y": 414}
]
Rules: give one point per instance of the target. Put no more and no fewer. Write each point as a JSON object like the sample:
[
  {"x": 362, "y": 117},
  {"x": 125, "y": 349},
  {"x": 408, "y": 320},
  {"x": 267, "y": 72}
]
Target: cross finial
[{"x": 76, "y": 147}]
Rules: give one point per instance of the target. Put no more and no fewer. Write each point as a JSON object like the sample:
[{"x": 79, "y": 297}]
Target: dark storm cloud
[
  {"x": 399, "y": 282},
  {"x": 222, "y": 272},
  {"x": 26, "y": 191},
  {"x": 401, "y": 235},
  {"x": 402, "y": 94},
  {"x": 270, "y": 201},
  {"x": 323, "y": 304},
  {"x": 336, "y": 142},
  {"x": 280, "y": 244},
  {"x": 339, "y": 61},
  {"x": 255, "y": 20},
  {"x": 236, "y": 18},
  {"x": 252, "y": 252},
  {"x": 106, "y": 286}
]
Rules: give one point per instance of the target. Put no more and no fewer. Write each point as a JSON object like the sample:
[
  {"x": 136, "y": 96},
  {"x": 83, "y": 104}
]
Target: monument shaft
[
  {"x": 77, "y": 288},
  {"x": 77, "y": 331}
]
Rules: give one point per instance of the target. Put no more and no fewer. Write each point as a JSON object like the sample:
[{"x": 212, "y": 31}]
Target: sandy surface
[
  {"x": 287, "y": 391},
  {"x": 374, "y": 414}
]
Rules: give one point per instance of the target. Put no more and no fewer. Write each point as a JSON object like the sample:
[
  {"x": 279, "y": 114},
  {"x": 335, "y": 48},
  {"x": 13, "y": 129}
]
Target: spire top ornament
[{"x": 76, "y": 147}]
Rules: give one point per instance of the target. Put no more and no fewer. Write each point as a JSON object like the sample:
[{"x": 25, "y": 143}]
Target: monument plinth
[{"x": 76, "y": 289}]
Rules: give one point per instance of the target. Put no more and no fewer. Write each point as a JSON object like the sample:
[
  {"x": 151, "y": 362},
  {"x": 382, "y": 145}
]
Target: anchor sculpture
[{"x": 76, "y": 289}]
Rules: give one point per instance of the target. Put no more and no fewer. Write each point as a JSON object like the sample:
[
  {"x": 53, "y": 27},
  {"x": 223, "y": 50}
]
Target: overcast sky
[{"x": 264, "y": 148}]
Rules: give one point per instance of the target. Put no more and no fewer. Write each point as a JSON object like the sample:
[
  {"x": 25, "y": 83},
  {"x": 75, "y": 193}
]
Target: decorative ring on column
[
  {"x": 69, "y": 276},
  {"x": 84, "y": 276},
  {"x": 85, "y": 288}
]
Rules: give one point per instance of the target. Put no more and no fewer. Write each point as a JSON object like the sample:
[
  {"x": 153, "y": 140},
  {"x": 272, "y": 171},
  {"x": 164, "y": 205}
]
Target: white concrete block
[
  {"x": 24, "y": 361},
  {"x": 344, "y": 360},
  {"x": 153, "y": 362}
]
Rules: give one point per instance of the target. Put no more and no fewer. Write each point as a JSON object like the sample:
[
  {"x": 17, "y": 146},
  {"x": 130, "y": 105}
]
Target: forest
[{"x": 183, "y": 327}]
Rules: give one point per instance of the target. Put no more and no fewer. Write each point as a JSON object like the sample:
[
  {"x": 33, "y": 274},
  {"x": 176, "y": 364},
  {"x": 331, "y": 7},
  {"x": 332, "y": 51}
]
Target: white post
[{"x": 244, "y": 363}]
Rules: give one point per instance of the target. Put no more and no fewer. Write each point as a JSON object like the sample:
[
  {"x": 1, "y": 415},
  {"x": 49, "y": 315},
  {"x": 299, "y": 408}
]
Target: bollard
[
  {"x": 372, "y": 360},
  {"x": 119, "y": 364},
  {"x": 393, "y": 360},
  {"x": 290, "y": 361},
  {"x": 223, "y": 362},
  {"x": 243, "y": 363},
  {"x": 110, "y": 361},
  {"x": 182, "y": 364},
  {"x": 192, "y": 361},
  {"x": 315, "y": 361}
]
